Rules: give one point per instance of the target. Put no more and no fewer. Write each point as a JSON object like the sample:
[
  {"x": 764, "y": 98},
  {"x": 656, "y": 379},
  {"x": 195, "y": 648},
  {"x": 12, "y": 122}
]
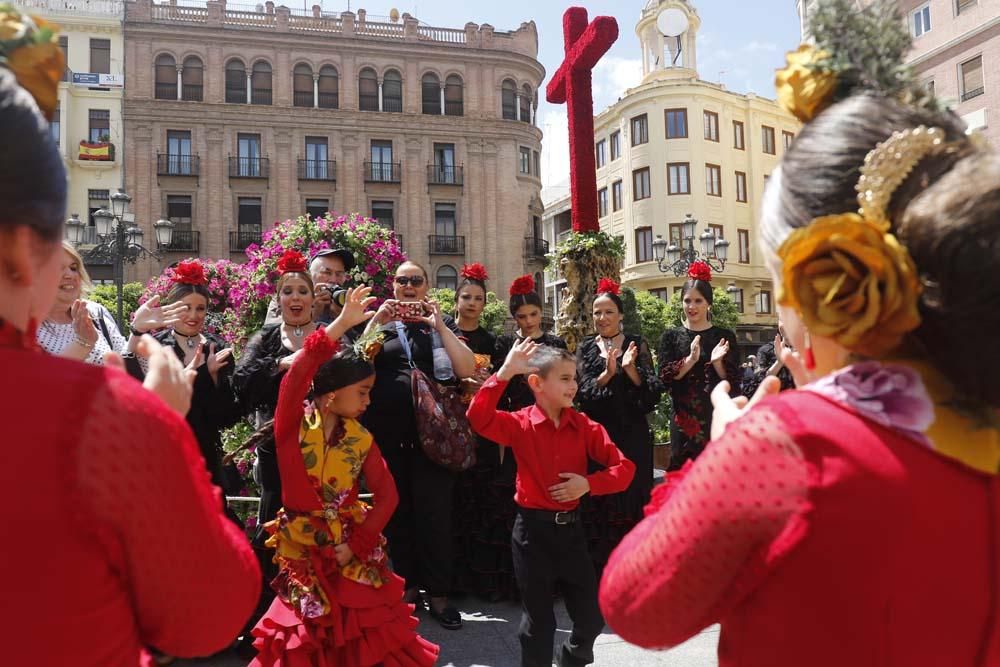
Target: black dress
[
  {"x": 621, "y": 407},
  {"x": 213, "y": 407},
  {"x": 483, "y": 564},
  {"x": 692, "y": 406},
  {"x": 419, "y": 534}
]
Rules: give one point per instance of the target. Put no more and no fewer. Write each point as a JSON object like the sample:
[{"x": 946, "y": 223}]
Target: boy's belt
[{"x": 548, "y": 516}]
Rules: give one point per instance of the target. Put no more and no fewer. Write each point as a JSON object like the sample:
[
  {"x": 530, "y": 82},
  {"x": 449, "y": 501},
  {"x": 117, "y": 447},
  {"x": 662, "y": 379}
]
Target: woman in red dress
[
  {"x": 116, "y": 542},
  {"x": 853, "y": 521},
  {"x": 337, "y": 604}
]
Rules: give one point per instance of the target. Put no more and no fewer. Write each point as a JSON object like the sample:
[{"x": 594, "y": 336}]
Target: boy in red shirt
[{"x": 552, "y": 443}]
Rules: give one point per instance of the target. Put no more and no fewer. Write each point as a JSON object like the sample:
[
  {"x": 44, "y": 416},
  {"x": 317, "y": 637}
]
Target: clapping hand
[
  {"x": 720, "y": 351},
  {"x": 150, "y": 316},
  {"x": 573, "y": 488},
  {"x": 83, "y": 326},
  {"x": 630, "y": 356},
  {"x": 518, "y": 361},
  {"x": 166, "y": 376},
  {"x": 695, "y": 352},
  {"x": 216, "y": 360}
]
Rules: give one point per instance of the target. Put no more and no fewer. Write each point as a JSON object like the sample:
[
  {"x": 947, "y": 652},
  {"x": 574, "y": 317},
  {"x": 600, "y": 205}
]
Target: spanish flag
[{"x": 95, "y": 151}]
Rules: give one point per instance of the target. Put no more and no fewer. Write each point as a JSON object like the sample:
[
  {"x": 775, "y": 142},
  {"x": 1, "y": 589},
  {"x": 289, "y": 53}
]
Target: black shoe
[{"x": 448, "y": 618}]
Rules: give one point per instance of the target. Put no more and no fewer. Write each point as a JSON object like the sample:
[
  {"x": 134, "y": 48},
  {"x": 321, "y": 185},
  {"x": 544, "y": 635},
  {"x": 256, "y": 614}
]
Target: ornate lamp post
[
  {"x": 117, "y": 244},
  {"x": 671, "y": 258}
]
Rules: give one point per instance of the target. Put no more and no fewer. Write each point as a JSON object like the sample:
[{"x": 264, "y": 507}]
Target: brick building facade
[{"x": 236, "y": 118}]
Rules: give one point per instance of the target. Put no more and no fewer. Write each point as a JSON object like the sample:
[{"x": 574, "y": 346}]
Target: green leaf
[{"x": 310, "y": 459}]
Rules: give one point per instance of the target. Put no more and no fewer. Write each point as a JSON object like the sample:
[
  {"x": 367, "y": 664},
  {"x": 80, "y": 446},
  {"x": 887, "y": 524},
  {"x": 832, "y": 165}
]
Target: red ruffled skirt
[{"x": 371, "y": 626}]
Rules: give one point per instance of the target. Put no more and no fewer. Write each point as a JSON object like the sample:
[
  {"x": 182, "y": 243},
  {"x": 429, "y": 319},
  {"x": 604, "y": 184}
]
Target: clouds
[{"x": 612, "y": 77}]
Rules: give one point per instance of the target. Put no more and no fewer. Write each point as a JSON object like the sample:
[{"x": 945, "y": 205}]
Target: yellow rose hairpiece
[
  {"x": 848, "y": 277},
  {"x": 29, "y": 47},
  {"x": 805, "y": 87}
]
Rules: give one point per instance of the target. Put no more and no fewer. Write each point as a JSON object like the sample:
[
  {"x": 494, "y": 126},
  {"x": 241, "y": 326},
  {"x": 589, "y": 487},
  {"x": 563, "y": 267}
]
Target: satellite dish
[{"x": 672, "y": 22}]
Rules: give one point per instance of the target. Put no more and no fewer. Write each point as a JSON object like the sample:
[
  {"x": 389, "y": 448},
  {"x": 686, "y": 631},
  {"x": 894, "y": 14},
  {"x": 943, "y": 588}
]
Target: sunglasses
[{"x": 416, "y": 281}]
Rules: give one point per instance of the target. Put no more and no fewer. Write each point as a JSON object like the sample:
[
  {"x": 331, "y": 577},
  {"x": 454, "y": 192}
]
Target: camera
[
  {"x": 338, "y": 294},
  {"x": 410, "y": 311}
]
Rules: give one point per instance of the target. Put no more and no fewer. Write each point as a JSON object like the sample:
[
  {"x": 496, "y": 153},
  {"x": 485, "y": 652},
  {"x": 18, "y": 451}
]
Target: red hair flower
[
  {"x": 475, "y": 272},
  {"x": 190, "y": 272},
  {"x": 700, "y": 271},
  {"x": 608, "y": 286},
  {"x": 523, "y": 285},
  {"x": 292, "y": 261}
]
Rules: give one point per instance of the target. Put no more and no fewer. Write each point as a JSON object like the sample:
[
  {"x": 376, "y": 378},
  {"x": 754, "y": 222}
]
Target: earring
[{"x": 807, "y": 357}]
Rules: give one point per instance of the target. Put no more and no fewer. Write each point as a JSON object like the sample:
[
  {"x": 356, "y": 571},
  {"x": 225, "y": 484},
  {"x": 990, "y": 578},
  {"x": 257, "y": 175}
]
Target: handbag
[{"x": 446, "y": 437}]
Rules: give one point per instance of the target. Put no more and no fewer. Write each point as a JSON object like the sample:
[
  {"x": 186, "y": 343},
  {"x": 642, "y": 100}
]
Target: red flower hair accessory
[
  {"x": 700, "y": 271},
  {"x": 190, "y": 272},
  {"x": 292, "y": 261},
  {"x": 606, "y": 285},
  {"x": 523, "y": 285},
  {"x": 475, "y": 272}
]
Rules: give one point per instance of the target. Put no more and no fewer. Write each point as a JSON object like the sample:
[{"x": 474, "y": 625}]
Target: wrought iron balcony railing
[{"x": 446, "y": 245}]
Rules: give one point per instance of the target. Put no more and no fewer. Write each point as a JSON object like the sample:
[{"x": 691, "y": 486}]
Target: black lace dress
[
  {"x": 692, "y": 406},
  {"x": 621, "y": 407},
  {"x": 765, "y": 359}
]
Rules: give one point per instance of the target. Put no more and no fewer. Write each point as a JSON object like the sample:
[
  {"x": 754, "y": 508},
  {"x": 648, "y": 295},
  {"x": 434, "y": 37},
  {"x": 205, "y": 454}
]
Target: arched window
[
  {"x": 430, "y": 92},
  {"x": 447, "y": 277},
  {"x": 236, "y": 82},
  {"x": 166, "y": 77},
  {"x": 509, "y": 100},
  {"x": 454, "y": 104},
  {"x": 526, "y": 98},
  {"x": 392, "y": 91},
  {"x": 192, "y": 79},
  {"x": 329, "y": 88},
  {"x": 260, "y": 83},
  {"x": 302, "y": 85},
  {"x": 368, "y": 90}
]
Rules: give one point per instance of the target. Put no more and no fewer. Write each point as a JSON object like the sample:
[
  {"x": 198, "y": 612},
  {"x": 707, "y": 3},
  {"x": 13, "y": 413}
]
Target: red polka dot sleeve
[
  {"x": 143, "y": 487},
  {"x": 706, "y": 545}
]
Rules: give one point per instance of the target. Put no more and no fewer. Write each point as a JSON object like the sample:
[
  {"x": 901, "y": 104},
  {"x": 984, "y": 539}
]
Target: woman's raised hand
[
  {"x": 355, "y": 310},
  {"x": 695, "y": 352},
  {"x": 167, "y": 377},
  {"x": 150, "y": 316},
  {"x": 216, "y": 360},
  {"x": 434, "y": 319},
  {"x": 726, "y": 409},
  {"x": 386, "y": 312},
  {"x": 630, "y": 356},
  {"x": 83, "y": 325}
]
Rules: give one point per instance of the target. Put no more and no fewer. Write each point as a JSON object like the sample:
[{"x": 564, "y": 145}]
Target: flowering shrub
[
  {"x": 223, "y": 280},
  {"x": 374, "y": 246}
]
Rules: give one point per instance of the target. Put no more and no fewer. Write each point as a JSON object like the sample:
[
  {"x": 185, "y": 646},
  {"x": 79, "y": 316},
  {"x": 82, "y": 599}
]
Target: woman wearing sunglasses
[{"x": 419, "y": 533}]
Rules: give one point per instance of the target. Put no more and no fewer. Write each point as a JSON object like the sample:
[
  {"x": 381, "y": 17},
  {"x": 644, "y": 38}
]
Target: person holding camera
[
  {"x": 329, "y": 271},
  {"x": 414, "y": 334}
]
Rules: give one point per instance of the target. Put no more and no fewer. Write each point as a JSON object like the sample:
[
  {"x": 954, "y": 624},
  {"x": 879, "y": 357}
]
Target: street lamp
[
  {"x": 116, "y": 243},
  {"x": 678, "y": 259}
]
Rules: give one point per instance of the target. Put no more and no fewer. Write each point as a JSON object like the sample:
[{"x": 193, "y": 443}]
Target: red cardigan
[
  {"x": 816, "y": 537},
  {"x": 114, "y": 537}
]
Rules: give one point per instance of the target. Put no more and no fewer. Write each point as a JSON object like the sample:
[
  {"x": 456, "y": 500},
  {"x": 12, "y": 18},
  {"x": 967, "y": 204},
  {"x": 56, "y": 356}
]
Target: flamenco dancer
[
  {"x": 337, "y": 601},
  {"x": 852, "y": 521}
]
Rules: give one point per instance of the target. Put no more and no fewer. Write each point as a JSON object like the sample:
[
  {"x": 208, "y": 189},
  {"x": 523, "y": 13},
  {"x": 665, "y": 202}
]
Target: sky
[{"x": 740, "y": 44}]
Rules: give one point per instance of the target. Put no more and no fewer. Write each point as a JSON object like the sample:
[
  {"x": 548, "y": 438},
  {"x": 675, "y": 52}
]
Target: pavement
[{"x": 489, "y": 639}]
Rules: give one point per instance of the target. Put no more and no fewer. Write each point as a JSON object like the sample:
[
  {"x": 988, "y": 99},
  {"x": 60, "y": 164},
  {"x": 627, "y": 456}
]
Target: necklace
[
  {"x": 609, "y": 343},
  {"x": 190, "y": 339},
  {"x": 297, "y": 331}
]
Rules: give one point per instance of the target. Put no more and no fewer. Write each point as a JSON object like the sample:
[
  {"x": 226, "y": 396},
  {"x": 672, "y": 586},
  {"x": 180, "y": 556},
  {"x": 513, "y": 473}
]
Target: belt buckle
[{"x": 560, "y": 521}]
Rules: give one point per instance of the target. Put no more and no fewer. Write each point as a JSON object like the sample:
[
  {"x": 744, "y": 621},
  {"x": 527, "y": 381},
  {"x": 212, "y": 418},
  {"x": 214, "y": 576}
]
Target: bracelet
[
  {"x": 134, "y": 331},
  {"x": 81, "y": 342}
]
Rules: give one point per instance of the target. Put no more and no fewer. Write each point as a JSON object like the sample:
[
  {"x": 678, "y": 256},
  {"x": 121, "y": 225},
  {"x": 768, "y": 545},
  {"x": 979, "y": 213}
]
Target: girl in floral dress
[{"x": 337, "y": 601}]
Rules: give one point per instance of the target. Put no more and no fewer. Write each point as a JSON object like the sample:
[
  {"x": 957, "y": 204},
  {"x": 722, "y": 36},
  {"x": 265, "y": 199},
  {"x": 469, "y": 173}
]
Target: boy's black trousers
[{"x": 550, "y": 557}]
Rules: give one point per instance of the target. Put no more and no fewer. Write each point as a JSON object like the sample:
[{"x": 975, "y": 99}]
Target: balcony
[
  {"x": 317, "y": 170},
  {"x": 177, "y": 165},
  {"x": 183, "y": 240},
  {"x": 444, "y": 174},
  {"x": 368, "y": 102},
  {"x": 975, "y": 92},
  {"x": 383, "y": 172},
  {"x": 248, "y": 167},
  {"x": 302, "y": 98},
  {"x": 166, "y": 91},
  {"x": 239, "y": 240},
  {"x": 192, "y": 92},
  {"x": 329, "y": 101},
  {"x": 446, "y": 245},
  {"x": 535, "y": 248}
]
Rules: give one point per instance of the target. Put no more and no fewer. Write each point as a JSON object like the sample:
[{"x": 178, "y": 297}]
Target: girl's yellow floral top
[{"x": 320, "y": 493}]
